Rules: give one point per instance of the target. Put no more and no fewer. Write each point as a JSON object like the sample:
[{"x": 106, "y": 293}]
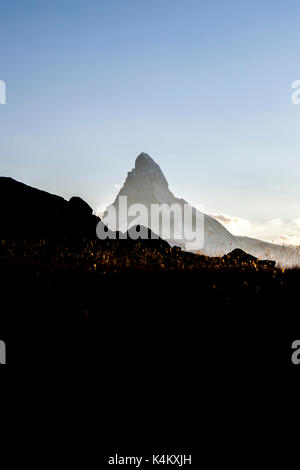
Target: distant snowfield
[{"x": 147, "y": 185}]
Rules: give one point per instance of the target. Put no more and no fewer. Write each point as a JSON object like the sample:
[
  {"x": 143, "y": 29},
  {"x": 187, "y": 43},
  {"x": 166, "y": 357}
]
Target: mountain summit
[
  {"x": 146, "y": 184},
  {"x": 144, "y": 164}
]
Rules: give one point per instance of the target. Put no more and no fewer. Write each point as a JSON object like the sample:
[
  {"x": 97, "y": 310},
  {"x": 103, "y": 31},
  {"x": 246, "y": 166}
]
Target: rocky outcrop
[{"x": 27, "y": 212}]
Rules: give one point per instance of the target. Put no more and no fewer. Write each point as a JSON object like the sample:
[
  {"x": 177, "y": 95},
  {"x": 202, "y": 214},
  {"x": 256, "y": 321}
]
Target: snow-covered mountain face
[{"x": 147, "y": 185}]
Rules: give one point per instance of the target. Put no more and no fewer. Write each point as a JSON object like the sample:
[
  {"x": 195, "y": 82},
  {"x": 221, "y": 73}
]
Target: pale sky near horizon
[{"x": 203, "y": 87}]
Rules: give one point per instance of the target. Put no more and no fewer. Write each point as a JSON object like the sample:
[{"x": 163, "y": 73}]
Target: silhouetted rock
[
  {"x": 146, "y": 237},
  {"x": 27, "y": 212},
  {"x": 239, "y": 257},
  {"x": 79, "y": 205}
]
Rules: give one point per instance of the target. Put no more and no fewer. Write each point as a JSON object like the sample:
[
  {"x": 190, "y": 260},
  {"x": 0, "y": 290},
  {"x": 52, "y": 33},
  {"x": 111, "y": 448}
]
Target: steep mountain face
[{"x": 147, "y": 185}]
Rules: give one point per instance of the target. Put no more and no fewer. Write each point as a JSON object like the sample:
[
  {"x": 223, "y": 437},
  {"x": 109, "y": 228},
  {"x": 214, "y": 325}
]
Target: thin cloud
[
  {"x": 274, "y": 230},
  {"x": 237, "y": 225},
  {"x": 275, "y": 222}
]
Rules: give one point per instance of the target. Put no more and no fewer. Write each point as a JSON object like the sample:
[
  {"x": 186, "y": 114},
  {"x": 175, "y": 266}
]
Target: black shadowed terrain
[{"x": 140, "y": 314}]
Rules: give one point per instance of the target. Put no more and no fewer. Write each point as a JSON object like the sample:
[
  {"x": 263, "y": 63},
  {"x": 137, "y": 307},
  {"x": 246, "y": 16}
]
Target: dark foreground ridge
[
  {"x": 28, "y": 213},
  {"x": 145, "y": 319}
]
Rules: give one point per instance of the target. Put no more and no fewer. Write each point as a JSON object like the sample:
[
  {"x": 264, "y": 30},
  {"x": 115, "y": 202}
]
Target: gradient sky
[{"x": 204, "y": 87}]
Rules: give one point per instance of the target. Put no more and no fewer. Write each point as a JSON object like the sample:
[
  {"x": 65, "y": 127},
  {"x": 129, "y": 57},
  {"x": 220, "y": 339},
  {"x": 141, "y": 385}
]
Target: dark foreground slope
[
  {"x": 166, "y": 336},
  {"x": 167, "y": 351},
  {"x": 55, "y": 276},
  {"x": 28, "y": 213}
]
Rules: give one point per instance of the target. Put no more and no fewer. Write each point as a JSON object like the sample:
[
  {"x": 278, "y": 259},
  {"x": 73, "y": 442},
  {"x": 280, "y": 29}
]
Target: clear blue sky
[{"x": 202, "y": 86}]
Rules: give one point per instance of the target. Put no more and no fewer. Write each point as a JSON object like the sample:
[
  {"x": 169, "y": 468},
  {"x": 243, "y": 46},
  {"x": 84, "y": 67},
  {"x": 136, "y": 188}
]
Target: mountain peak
[
  {"x": 144, "y": 161},
  {"x": 144, "y": 155},
  {"x": 145, "y": 166}
]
